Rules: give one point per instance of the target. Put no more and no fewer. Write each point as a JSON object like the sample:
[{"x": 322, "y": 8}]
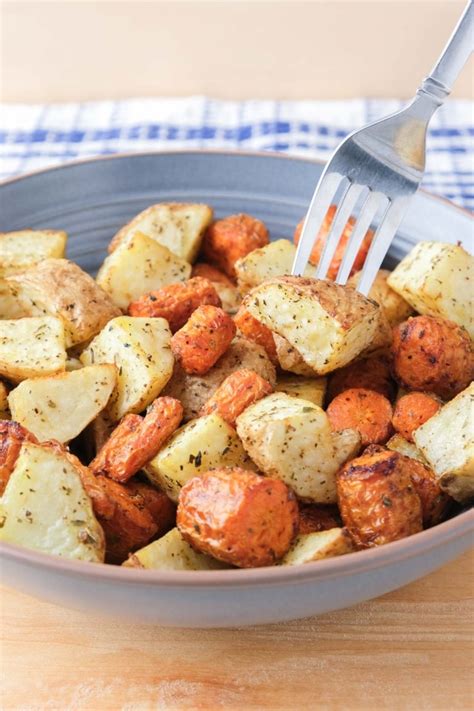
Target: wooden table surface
[{"x": 411, "y": 649}]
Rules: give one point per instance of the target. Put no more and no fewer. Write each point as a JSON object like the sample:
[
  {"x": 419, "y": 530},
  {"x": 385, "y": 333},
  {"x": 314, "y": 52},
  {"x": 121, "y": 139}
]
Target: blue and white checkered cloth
[{"x": 38, "y": 136}]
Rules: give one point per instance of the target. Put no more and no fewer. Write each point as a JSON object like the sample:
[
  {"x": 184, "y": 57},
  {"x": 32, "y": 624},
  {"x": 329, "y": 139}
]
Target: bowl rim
[{"x": 341, "y": 566}]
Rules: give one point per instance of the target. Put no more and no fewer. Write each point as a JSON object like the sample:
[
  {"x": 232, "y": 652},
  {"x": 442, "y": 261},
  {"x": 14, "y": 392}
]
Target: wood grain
[{"x": 411, "y": 649}]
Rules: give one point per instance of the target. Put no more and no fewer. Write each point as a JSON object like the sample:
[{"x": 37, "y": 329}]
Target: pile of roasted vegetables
[{"x": 194, "y": 408}]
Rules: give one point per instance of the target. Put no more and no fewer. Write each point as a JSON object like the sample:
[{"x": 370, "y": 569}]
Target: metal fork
[{"x": 377, "y": 169}]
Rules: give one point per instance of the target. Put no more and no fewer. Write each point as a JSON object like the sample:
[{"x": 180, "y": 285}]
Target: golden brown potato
[
  {"x": 371, "y": 373},
  {"x": 235, "y": 394},
  {"x": 433, "y": 355},
  {"x": 137, "y": 440},
  {"x": 58, "y": 287},
  {"x": 312, "y": 389},
  {"x": 255, "y": 331},
  {"x": 289, "y": 358},
  {"x": 227, "y": 240},
  {"x": 205, "y": 337},
  {"x": 411, "y": 411},
  {"x": 177, "y": 226},
  {"x": 394, "y": 306},
  {"x": 318, "y": 518},
  {"x": 328, "y": 324},
  {"x": 131, "y": 515},
  {"x": 172, "y": 552},
  {"x": 318, "y": 545},
  {"x": 12, "y": 436},
  {"x": 30, "y": 347},
  {"x": 4, "y": 408},
  {"x": 341, "y": 247},
  {"x": 378, "y": 500},
  {"x": 176, "y": 302},
  {"x": 193, "y": 391},
  {"x": 21, "y": 250},
  {"x": 366, "y": 411},
  {"x": 435, "y": 503},
  {"x": 238, "y": 517}
]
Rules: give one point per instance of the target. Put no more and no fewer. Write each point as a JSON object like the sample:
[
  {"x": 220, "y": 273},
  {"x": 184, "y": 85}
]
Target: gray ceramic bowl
[{"x": 91, "y": 200}]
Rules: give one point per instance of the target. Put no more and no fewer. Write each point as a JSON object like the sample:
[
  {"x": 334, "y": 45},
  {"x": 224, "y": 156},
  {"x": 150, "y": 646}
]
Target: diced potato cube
[
  {"x": 202, "y": 444},
  {"x": 394, "y": 306},
  {"x": 312, "y": 389},
  {"x": 45, "y": 507},
  {"x": 291, "y": 439},
  {"x": 140, "y": 264},
  {"x": 309, "y": 547},
  {"x": 21, "y": 250},
  {"x": 399, "y": 444},
  {"x": 60, "y": 406},
  {"x": 436, "y": 279},
  {"x": 141, "y": 350},
  {"x": 57, "y": 287},
  {"x": 4, "y": 409},
  {"x": 10, "y": 305},
  {"x": 30, "y": 347},
  {"x": 172, "y": 552},
  {"x": 447, "y": 442},
  {"x": 179, "y": 227},
  {"x": 328, "y": 324},
  {"x": 275, "y": 259}
]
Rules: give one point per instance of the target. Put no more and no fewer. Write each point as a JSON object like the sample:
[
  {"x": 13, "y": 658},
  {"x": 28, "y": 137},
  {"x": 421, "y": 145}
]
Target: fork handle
[{"x": 454, "y": 56}]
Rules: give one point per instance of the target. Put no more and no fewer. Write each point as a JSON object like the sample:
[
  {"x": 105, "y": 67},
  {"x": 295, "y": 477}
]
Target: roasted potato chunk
[
  {"x": 61, "y": 406},
  {"x": 320, "y": 241},
  {"x": 10, "y": 305},
  {"x": 45, "y": 507},
  {"x": 329, "y": 325},
  {"x": 318, "y": 518},
  {"x": 366, "y": 411},
  {"x": 193, "y": 391},
  {"x": 227, "y": 240},
  {"x": 176, "y": 302},
  {"x": 12, "y": 436},
  {"x": 59, "y": 288},
  {"x": 370, "y": 373},
  {"x": 291, "y": 439},
  {"x": 138, "y": 265},
  {"x": 446, "y": 441},
  {"x": 228, "y": 292},
  {"x": 202, "y": 444},
  {"x": 255, "y": 331},
  {"x": 399, "y": 444},
  {"x": 235, "y": 394},
  {"x": 133, "y": 514},
  {"x": 394, "y": 306},
  {"x": 30, "y": 347},
  {"x": 141, "y": 350},
  {"x": 22, "y": 250},
  {"x": 238, "y": 517},
  {"x": 312, "y": 389},
  {"x": 177, "y": 226},
  {"x": 308, "y": 547},
  {"x": 137, "y": 439},
  {"x": 433, "y": 355},
  {"x": 436, "y": 279},
  {"x": 172, "y": 552},
  {"x": 273, "y": 260},
  {"x": 411, "y": 411},
  {"x": 203, "y": 340},
  {"x": 378, "y": 500},
  {"x": 291, "y": 360}
]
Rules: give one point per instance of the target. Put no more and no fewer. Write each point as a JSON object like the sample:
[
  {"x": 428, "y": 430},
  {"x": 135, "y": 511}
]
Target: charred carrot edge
[
  {"x": 203, "y": 340},
  {"x": 238, "y": 391}
]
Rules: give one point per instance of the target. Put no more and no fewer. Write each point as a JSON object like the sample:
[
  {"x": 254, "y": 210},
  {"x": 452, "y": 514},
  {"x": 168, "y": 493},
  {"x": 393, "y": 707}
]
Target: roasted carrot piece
[
  {"x": 371, "y": 373},
  {"x": 204, "y": 338},
  {"x": 411, "y": 411},
  {"x": 207, "y": 271},
  {"x": 365, "y": 410},
  {"x": 137, "y": 439},
  {"x": 257, "y": 332},
  {"x": 318, "y": 518},
  {"x": 176, "y": 302},
  {"x": 337, "y": 259},
  {"x": 434, "y": 355},
  {"x": 238, "y": 516},
  {"x": 234, "y": 237},
  {"x": 12, "y": 436},
  {"x": 238, "y": 391}
]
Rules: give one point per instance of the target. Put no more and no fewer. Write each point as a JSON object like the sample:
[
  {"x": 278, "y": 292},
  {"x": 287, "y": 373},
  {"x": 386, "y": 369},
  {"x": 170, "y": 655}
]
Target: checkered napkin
[{"x": 33, "y": 137}]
